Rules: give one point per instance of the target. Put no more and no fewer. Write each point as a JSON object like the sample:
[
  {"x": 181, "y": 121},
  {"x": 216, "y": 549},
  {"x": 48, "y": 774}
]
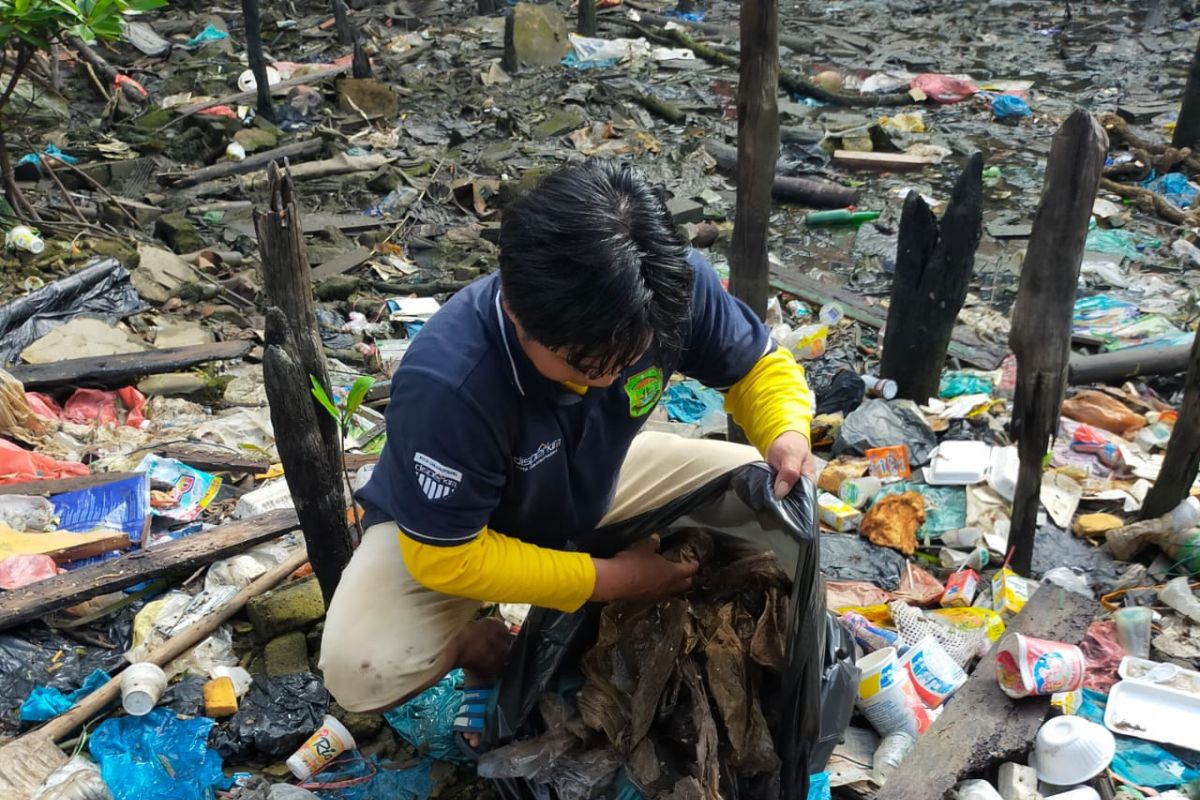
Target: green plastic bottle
[{"x": 841, "y": 216}]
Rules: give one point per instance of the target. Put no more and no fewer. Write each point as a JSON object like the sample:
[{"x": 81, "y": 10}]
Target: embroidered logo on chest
[
  {"x": 544, "y": 451},
  {"x": 435, "y": 479}
]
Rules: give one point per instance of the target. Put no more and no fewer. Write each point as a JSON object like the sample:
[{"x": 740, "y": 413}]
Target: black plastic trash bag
[
  {"x": 818, "y": 681},
  {"x": 275, "y": 717},
  {"x": 102, "y": 290}
]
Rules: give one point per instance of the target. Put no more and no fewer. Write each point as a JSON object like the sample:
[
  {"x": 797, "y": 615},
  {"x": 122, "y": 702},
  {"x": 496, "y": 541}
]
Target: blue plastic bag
[
  {"x": 1174, "y": 186},
  {"x": 1138, "y": 761},
  {"x": 1007, "y": 106},
  {"x": 692, "y": 401},
  {"x": 955, "y": 384},
  {"x": 211, "y": 33},
  {"x": 157, "y": 757},
  {"x": 818, "y": 787},
  {"x": 425, "y": 721},
  {"x": 45, "y": 703}
]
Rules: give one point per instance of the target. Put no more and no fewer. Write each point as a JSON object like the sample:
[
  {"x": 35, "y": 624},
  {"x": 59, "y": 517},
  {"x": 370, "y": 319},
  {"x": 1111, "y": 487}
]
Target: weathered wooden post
[
  {"x": 360, "y": 65},
  {"x": 758, "y": 148},
  {"x": 1187, "y": 127},
  {"x": 254, "y": 55},
  {"x": 933, "y": 273},
  {"x": 306, "y": 436},
  {"x": 1183, "y": 449},
  {"x": 341, "y": 19},
  {"x": 587, "y": 17},
  {"x": 1041, "y": 322}
]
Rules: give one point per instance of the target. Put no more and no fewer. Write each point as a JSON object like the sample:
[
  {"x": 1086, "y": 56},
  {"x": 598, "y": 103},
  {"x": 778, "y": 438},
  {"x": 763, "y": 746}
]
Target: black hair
[{"x": 592, "y": 265}]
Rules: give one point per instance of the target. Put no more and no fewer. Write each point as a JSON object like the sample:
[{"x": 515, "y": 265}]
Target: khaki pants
[{"x": 386, "y": 636}]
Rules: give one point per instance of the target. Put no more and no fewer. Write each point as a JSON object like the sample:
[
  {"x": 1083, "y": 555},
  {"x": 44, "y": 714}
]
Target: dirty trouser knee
[{"x": 387, "y": 636}]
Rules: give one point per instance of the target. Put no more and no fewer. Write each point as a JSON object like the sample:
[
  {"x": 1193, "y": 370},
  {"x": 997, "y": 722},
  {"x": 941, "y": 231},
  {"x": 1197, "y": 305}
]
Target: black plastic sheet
[
  {"x": 816, "y": 694},
  {"x": 850, "y": 557},
  {"x": 274, "y": 718},
  {"x": 102, "y": 290}
]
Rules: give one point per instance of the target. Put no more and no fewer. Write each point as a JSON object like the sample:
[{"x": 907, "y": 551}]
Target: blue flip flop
[{"x": 471, "y": 717}]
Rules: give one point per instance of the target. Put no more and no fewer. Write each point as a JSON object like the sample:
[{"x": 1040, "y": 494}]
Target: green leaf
[
  {"x": 358, "y": 392},
  {"x": 318, "y": 392},
  {"x": 140, "y": 6}
]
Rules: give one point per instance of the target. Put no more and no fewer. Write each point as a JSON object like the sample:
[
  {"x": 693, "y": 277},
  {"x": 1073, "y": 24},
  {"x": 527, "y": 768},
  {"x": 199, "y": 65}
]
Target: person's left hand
[{"x": 791, "y": 457}]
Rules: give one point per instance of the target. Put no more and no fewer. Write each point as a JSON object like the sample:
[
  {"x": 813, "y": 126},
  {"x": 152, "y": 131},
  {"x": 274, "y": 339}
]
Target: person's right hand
[{"x": 640, "y": 572}]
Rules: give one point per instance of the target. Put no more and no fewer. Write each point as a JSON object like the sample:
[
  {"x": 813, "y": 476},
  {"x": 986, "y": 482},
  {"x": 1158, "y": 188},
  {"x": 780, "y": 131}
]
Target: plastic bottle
[
  {"x": 977, "y": 559},
  {"x": 234, "y": 151},
  {"x": 890, "y": 753},
  {"x": 841, "y": 216},
  {"x": 1178, "y": 595},
  {"x": 880, "y": 387},
  {"x": 1175, "y": 532},
  {"x": 22, "y": 237}
]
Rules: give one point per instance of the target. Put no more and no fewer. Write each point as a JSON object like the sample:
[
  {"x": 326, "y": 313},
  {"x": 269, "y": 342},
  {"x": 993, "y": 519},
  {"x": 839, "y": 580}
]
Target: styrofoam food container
[
  {"x": 1077, "y": 793},
  {"x": 1152, "y": 711},
  {"x": 958, "y": 463},
  {"x": 1171, "y": 676},
  {"x": 1002, "y": 473},
  {"x": 1070, "y": 750}
]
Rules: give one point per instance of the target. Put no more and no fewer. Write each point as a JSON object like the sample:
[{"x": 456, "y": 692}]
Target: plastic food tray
[{"x": 1155, "y": 712}]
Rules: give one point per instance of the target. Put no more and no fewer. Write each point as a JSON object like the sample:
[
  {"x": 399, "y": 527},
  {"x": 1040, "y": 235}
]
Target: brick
[
  {"x": 286, "y": 654},
  {"x": 289, "y": 608}
]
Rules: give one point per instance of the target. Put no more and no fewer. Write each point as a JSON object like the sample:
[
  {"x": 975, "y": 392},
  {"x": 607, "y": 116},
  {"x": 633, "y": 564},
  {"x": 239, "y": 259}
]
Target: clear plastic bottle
[
  {"x": 831, "y": 314},
  {"x": 890, "y": 753},
  {"x": 22, "y": 237}
]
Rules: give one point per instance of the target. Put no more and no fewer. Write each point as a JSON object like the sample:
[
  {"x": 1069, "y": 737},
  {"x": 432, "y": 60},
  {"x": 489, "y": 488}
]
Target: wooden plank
[
  {"x": 299, "y": 151},
  {"x": 341, "y": 263},
  {"x": 893, "y": 162},
  {"x": 59, "y": 485},
  {"x": 121, "y": 369},
  {"x": 212, "y": 459},
  {"x": 33, "y": 601},
  {"x": 814, "y": 291},
  {"x": 981, "y": 726}
]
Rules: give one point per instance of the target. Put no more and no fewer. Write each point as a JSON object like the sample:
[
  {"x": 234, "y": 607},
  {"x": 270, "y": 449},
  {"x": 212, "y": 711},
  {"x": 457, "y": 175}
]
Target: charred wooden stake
[
  {"x": 587, "y": 17},
  {"x": 258, "y": 64},
  {"x": 1187, "y": 127},
  {"x": 509, "y": 61},
  {"x": 1183, "y": 449},
  {"x": 307, "y": 436},
  {"x": 361, "y": 65},
  {"x": 758, "y": 148},
  {"x": 1041, "y": 323},
  {"x": 341, "y": 18},
  {"x": 933, "y": 273}
]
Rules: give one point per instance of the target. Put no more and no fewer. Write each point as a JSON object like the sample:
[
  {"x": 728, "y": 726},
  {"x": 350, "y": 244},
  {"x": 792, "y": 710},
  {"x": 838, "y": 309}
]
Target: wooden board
[
  {"x": 341, "y": 263},
  {"x": 893, "y": 162},
  {"x": 55, "y": 486},
  {"x": 121, "y": 369},
  {"x": 981, "y": 726},
  {"x": 33, "y": 601},
  {"x": 963, "y": 345},
  {"x": 213, "y": 459}
]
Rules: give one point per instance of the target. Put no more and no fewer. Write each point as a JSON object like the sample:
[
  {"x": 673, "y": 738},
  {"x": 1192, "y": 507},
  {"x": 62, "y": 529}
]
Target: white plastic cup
[
  {"x": 1027, "y": 666},
  {"x": 877, "y": 671},
  {"x": 327, "y": 743},
  {"x": 1133, "y": 630},
  {"x": 142, "y": 684},
  {"x": 935, "y": 675}
]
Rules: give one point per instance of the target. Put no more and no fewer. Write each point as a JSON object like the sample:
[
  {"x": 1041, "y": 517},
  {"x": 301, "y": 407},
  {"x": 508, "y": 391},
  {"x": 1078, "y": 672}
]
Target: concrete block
[
  {"x": 289, "y": 608},
  {"x": 286, "y": 654},
  {"x": 178, "y": 232},
  {"x": 683, "y": 209},
  {"x": 1017, "y": 782}
]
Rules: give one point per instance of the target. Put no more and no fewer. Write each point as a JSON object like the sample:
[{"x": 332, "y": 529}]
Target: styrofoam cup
[
  {"x": 935, "y": 675},
  {"x": 327, "y": 743},
  {"x": 142, "y": 684},
  {"x": 1070, "y": 750}
]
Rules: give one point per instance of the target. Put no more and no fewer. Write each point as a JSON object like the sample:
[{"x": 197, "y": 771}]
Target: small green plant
[
  {"x": 343, "y": 416},
  {"x": 30, "y": 26}
]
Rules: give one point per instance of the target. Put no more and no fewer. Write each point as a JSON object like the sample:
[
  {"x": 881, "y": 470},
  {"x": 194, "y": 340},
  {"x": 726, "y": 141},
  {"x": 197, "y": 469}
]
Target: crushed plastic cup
[
  {"x": 247, "y": 83},
  {"x": 808, "y": 341},
  {"x": 1177, "y": 593},
  {"x": 1027, "y": 666},
  {"x": 327, "y": 743},
  {"x": 1070, "y": 750},
  {"x": 934, "y": 674},
  {"x": 142, "y": 685},
  {"x": 831, "y": 314},
  {"x": 1133, "y": 630}
]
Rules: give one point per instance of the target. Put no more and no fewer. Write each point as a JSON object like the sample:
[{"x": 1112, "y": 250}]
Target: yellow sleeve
[
  {"x": 496, "y": 568},
  {"x": 771, "y": 399}
]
